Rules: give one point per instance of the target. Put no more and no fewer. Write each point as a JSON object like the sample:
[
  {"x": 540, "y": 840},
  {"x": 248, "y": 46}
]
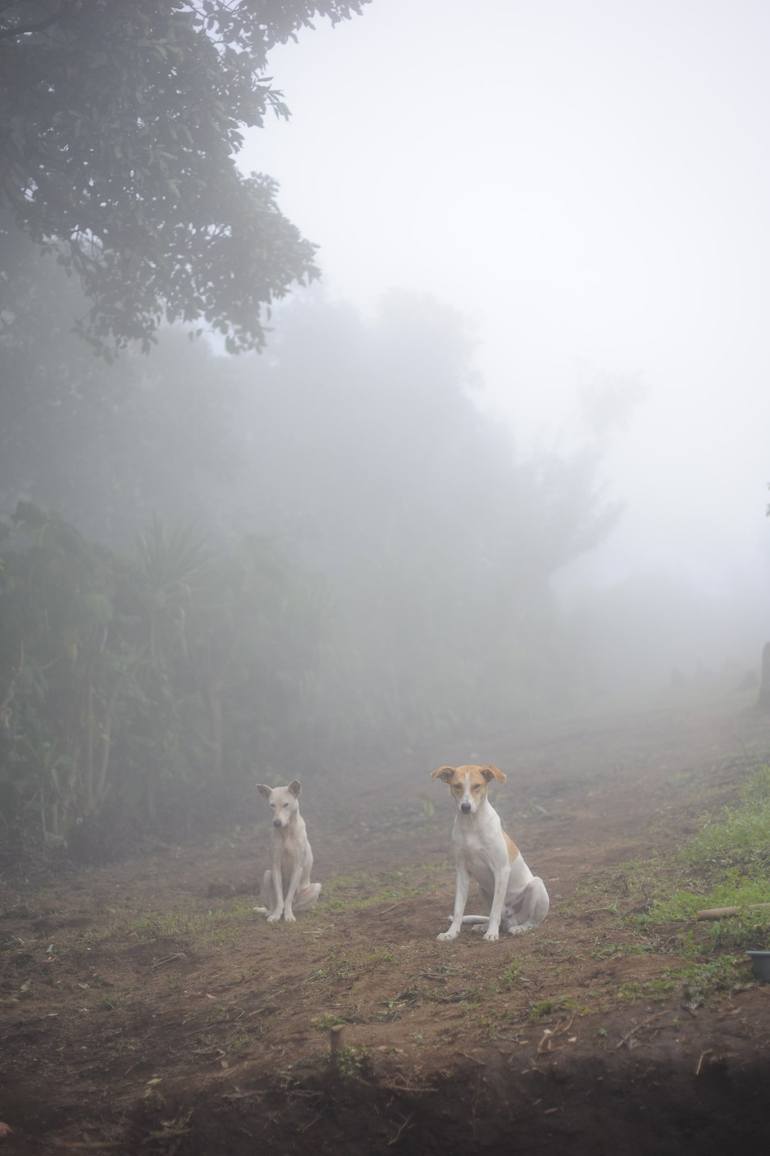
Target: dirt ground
[{"x": 144, "y": 1007}]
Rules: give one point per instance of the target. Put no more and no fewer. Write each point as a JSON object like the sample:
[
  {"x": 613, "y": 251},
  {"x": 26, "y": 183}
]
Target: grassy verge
[
  {"x": 727, "y": 864},
  {"x": 648, "y": 907}
]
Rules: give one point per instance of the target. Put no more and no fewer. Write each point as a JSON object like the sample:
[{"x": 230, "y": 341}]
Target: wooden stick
[
  {"x": 644, "y": 1024},
  {"x": 168, "y": 959},
  {"x": 397, "y": 1136},
  {"x": 724, "y": 912}
]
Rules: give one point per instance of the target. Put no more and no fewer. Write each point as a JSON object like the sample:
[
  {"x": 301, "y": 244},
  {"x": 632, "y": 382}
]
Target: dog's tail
[
  {"x": 260, "y": 910},
  {"x": 473, "y": 919}
]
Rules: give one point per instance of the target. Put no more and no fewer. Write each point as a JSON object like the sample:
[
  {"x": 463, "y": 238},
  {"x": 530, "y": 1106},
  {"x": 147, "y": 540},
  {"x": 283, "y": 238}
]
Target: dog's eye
[
  {"x": 286, "y": 805},
  {"x": 477, "y": 786}
]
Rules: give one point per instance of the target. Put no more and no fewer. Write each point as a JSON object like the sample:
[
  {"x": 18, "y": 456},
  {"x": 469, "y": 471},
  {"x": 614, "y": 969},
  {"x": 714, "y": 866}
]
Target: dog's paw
[
  {"x": 491, "y": 936},
  {"x": 447, "y": 935},
  {"x": 289, "y": 917},
  {"x": 273, "y": 917}
]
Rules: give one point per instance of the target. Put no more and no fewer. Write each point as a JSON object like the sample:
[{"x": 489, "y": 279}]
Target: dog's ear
[
  {"x": 263, "y": 790},
  {"x": 444, "y": 773},
  {"x": 295, "y": 786},
  {"x": 490, "y": 772}
]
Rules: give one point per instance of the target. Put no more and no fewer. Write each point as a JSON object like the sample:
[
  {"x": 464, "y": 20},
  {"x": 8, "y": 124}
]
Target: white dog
[
  {"x": 292, "y": 857},
  {"x": 517, "y": 899}
]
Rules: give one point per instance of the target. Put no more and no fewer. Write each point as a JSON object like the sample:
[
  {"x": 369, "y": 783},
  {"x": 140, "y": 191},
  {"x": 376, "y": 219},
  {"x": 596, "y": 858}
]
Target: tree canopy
[{"x": 120, "y": 124}]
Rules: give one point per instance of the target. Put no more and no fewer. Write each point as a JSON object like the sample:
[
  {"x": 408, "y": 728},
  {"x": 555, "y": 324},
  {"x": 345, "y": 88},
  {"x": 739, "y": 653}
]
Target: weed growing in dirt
[
  {"x": 352, "y": 1063},
  {"x": 548, "y": 1007},
  {"x": 703, "y": 979},
  {"x": 239, "y": 1044},
  {"x": 511, "y": 977},
  {"x": 327, "y": 1021}
]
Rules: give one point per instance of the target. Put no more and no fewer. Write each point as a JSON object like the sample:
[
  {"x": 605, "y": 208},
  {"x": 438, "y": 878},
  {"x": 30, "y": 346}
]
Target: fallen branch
[
  {"x": 310, "y": 1123},
  {"x": 168, "y": 959},
  {"x": 545, "y": 1042},
  {"x": 393, "y": 906},
  {"x": 409, "y": 1089},
  {"x": 396, "y": 1138},
  {"x": 550, "y": 1034},
  {"x": 638, "y": 1028},
  {"x": 724, "y": 912}
]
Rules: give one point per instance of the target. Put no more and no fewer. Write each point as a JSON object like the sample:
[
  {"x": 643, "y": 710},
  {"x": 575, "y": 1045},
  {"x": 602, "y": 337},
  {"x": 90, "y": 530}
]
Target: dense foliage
[
  {"x": 120, "y": 124},
  {"x": 138, "y": 694}
]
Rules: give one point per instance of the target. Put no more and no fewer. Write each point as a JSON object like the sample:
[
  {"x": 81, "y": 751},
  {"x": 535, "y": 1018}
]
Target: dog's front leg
[
  {"x": 502, "y": 875},
  {"x": 461, "y": 898},
  {"x": 277, "y": 911},
  {"x": 288, "y": 907}
]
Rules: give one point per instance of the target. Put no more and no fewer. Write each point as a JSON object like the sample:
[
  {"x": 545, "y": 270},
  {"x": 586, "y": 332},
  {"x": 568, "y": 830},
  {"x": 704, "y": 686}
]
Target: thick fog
[
  {"x": 588, "y": 184},
  {"x": 506, "y": 461}
]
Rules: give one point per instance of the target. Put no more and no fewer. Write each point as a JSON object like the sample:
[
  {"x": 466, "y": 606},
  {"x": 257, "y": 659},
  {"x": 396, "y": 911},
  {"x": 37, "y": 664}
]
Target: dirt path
[{"x": 144, "y": 1007}]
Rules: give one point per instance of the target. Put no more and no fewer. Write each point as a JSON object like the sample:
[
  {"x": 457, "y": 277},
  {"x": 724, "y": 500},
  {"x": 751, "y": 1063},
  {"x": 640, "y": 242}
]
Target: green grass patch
[
  {"x": 739, "y": 837},
  {"x": 696, "y": 981},
  {"x": 735, "y": 890},
  {"x": 215, "y": 925},
  {"x": 545, "y": 1008},
  {"x": 207, "y": 924},
  {"x": 727, "y": 864}
]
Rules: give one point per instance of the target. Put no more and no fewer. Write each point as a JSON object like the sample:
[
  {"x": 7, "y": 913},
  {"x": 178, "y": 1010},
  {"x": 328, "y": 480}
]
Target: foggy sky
[{"x": 590, "y": 184}]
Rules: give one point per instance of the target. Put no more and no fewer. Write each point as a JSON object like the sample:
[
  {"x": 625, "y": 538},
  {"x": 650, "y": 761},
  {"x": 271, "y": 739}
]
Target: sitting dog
[
  {"x": 517, "y": 899},
  {"x": 292, "y": 857}
]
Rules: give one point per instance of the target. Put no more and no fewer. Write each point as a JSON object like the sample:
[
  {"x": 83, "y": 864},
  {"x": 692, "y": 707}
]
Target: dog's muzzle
[
  {"x": 465, "y": 808},
  {"x": 277, "y": 823}
]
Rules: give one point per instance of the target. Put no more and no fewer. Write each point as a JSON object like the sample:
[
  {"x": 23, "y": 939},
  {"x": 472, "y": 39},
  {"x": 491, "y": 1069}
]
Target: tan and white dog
[
  {"x": 292, "y": 857},
  {"x": 517, "y": 899}
]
